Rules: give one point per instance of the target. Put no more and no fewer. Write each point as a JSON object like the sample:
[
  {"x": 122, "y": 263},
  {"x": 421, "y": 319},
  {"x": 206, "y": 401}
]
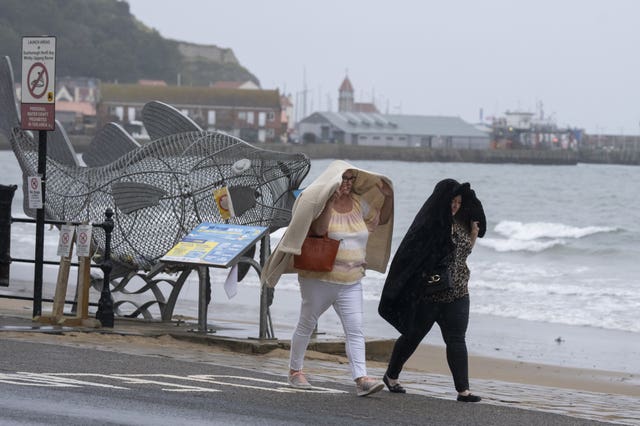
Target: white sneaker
[
  {"x": 298, "y": 381},
  {"x": 367, "y": 386}
]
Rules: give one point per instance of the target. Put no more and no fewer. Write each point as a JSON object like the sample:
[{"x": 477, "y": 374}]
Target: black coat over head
[{"x": 426, "y": 244}]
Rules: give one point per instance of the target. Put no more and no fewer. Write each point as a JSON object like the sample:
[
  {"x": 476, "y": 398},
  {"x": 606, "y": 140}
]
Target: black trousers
[{"x": 452, "y": 318}]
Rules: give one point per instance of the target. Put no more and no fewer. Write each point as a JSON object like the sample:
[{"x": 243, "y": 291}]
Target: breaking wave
[{"x": 537, "y": 236}]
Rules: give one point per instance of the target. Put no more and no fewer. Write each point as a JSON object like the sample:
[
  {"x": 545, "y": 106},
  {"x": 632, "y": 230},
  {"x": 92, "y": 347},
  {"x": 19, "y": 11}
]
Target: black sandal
[
  {"x": 469, "y": 398},
  {"x": 397, "y": 388}
]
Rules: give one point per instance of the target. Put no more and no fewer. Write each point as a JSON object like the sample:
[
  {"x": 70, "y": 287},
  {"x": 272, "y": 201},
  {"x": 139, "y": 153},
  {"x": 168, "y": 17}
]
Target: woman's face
[
  {"x": 348, "y": 178},
  {"x": 456, "y": 202}
]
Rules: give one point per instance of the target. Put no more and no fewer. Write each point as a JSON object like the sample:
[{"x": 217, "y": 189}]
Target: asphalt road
[{"x": 42, "y": 383}]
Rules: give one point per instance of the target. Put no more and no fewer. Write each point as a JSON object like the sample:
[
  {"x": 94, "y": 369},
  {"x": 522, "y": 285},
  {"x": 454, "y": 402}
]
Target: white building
[{"x": 373, "y": 129}]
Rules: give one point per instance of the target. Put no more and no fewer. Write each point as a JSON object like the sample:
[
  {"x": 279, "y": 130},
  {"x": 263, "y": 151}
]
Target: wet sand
[{"x": 432, "y": 359}]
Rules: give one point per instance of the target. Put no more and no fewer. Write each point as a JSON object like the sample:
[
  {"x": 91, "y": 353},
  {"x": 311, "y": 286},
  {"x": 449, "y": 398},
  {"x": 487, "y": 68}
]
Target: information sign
[
  {"x": 38, "y": 108},
  {"x": 215, "y": 244}
]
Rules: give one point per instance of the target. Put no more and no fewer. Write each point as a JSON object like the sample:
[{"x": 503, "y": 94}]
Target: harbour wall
[{"x": 358, "y": 152}]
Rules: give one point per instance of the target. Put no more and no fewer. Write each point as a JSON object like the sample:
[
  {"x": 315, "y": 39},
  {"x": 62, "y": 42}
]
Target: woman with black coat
[{"x": 442, "y": 234}]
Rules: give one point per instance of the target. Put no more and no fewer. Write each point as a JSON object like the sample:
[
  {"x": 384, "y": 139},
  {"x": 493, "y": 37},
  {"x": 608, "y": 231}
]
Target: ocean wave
[
  {"x": 567, "y": 316},
  {"x": 537, "y": 236},
  {"x": 534, "y": 288},
  {"x": 502, "y": 245},
  {"x": 538, "y": 230}
]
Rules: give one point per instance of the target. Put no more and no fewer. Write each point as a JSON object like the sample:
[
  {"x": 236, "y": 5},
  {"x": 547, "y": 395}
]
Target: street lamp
[{"x": 105, "y": 304}]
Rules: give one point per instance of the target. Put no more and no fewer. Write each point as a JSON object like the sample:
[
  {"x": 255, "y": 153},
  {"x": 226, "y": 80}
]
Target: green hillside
[{"x": 100, "y": 38}]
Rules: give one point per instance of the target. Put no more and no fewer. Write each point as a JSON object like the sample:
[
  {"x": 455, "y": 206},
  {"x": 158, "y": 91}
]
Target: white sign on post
[
  {"x": 38, "y": 100},
  {"x": 64, "y": 242},
  {"x": 35, "y": 192},
  {"x": 83, "y": 241}
]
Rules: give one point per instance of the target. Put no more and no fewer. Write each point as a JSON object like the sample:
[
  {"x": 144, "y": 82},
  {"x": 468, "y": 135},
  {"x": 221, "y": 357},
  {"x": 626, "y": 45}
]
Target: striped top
[{"x": 352, "y": 229}]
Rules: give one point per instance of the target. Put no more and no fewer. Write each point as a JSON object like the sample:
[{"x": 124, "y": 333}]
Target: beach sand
[{"x": 432, "y": 359}]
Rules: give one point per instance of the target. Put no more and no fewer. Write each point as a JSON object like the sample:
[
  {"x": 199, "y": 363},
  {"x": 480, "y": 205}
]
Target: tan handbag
[{"x": 317, "y": 254}]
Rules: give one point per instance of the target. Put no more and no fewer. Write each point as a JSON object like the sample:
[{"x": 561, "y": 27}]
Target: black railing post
[
  {"x": 6, "y": 198},
  {"x": 40, "y": 218},
  {"x": 105, "y": 304}
]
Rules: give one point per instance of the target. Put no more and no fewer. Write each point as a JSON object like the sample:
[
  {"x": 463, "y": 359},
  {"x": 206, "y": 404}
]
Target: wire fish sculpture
[{"x": 158, "y": 191}]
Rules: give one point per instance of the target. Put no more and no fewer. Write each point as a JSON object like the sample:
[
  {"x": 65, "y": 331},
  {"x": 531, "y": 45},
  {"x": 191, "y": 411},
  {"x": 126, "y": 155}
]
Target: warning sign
[
  {"x": 65, "y": 240},
  {"x": 35, "y": 192},
  {"x": 38, "y": 83},
  {"x": 83, "y": 247}
]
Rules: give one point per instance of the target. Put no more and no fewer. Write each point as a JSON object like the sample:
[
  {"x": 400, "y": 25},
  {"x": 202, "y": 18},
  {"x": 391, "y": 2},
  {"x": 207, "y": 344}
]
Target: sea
[{"x": 560, "y": 261}]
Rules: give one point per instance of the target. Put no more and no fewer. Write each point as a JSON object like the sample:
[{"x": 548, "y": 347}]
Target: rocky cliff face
[{"x": 192, "y": 51}]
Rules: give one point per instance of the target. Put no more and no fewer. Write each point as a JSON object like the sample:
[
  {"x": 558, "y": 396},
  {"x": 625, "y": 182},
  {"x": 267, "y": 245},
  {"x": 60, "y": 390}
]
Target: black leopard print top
[{"x": 458, "y": 267}]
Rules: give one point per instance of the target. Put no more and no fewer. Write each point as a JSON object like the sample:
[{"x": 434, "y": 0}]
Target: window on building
[
  {"x": 262, "y": 119},
  {"x": 271, "y": 116},
  {"x": 324, "y": 132},
  {"x": 131, "y": 114},
  {"x": 250, "y": 117},
  {"x": 211, "y": 118},
  {"x": 389, "y": 138},
  {"x": 262, "y": 135},
  {"x": 119, "y": 112},
  {"x": 242, "y": 115},
  {"x": 271, "y": 133},
  {"x": 402, "y": 138},
  {"x": 376, "y": 138},
  {"x": 249, "y": 134},
  {"x": 185, "y": 111},
  {"x": 362, "y": 137}
]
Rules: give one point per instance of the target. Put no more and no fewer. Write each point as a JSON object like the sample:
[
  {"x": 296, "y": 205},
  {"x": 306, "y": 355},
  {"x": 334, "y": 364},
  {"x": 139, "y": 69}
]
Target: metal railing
[{"x": 105, "y": 313}]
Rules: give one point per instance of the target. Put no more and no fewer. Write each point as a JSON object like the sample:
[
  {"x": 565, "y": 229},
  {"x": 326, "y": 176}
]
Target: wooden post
[
  {"x": 82, "y": 315},
  {"x": 57, "y": 312},
  {"x": 83, "y": 284},
  {"x": 84, "y": 276}
]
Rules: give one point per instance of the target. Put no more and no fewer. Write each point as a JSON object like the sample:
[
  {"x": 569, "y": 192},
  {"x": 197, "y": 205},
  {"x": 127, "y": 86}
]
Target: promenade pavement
[{"x": 237, "y": 345}]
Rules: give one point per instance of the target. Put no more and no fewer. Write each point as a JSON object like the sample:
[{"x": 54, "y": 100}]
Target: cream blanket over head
[{"x": 308, "y": 207}]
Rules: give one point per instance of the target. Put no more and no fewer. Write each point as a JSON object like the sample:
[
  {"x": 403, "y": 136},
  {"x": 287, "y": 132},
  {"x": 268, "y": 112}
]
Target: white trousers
[{"x": 317, "y": 296}]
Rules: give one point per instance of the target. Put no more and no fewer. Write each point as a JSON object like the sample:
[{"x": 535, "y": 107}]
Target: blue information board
[{"x": 215, "y": 244}]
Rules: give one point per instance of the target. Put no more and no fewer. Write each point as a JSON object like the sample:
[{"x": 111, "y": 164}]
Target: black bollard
[
  {"x": 6, "y": 198},
  {"x": 105, "y": 304}
]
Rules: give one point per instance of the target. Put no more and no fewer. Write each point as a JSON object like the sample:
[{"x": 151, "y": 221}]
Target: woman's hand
[
  {"x": 475, "y": 228},
  {"x": 384, "y": 188},
  {"x": 387, "y": 205}
]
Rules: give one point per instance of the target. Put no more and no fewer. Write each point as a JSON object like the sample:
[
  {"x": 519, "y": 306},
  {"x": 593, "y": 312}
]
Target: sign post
[
  {"x": 216, "y": 245},
  {"x": 38, "y": 110}
]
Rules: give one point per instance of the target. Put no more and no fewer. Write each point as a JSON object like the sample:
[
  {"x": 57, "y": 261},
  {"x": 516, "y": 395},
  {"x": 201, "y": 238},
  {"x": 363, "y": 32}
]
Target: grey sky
[{"x": 579, "y": 58}]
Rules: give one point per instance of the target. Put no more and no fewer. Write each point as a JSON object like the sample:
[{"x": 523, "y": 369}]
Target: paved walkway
[{"x": 325, "y": 361}]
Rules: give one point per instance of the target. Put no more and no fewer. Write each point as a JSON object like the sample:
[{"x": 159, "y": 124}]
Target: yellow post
[
  {"x": 84, "y": 277},
  {"x": 84, "y": 282},
  {"x": 61, "y": 284}
]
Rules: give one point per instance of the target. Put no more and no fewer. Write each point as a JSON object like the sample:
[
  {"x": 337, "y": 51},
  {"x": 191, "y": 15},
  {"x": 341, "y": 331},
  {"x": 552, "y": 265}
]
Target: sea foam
[
  {"x": 537, "y": 230},
  {"x": 536, "y": 236}
]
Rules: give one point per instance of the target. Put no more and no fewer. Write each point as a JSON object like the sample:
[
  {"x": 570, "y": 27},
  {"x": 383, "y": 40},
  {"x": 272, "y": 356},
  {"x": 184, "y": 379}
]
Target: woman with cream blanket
[{"x": 354, "y": 206}]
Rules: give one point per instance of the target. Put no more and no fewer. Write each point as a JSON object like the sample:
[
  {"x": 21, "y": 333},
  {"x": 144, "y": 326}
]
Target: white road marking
[
  {"x": 24, "y": 380},
  {"x": 210, "y": 378},
  {"x": 193, "y": 382}
]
